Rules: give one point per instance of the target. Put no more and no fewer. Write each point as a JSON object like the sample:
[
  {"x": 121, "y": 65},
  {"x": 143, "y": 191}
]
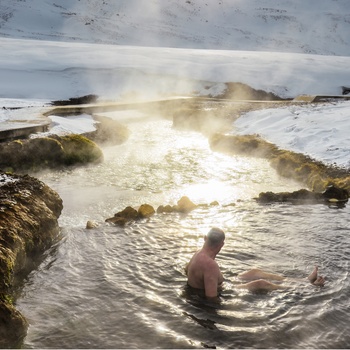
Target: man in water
[{"x": 203, "y": 272}]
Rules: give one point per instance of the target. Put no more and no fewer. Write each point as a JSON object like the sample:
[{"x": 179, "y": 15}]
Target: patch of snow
[
  {"x": 320, "y": 131},
  {"x": 77, "y": 124},
  {"x": 5, "y": 179}
]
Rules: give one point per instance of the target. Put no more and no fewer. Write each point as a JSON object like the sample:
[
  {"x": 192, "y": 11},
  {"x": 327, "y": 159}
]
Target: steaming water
[{"x": 115, "y": 287}]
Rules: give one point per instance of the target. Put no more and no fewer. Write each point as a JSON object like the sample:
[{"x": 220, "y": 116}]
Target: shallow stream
[{"x": 114, "y": 287}]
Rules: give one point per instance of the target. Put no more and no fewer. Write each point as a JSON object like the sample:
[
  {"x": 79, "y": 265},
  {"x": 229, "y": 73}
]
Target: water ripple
[{"x": 125, "y": 287}]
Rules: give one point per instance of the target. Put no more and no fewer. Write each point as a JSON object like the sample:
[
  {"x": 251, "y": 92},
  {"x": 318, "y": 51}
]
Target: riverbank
[
  {"x": 217, "y": 116},
  {"x": 94, "y": 273},
  {"x": 214, "y": 118},
  {"x": 224, "y": 136},
  {"x": 29, "y": 210}
]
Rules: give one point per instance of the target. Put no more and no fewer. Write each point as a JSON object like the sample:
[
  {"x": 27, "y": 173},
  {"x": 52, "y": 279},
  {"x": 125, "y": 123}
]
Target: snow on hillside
[
  {"x": 39, "y": 69},
  {"x": 285, "y": 47},
  {"x": 320, "y": 131},
  {"x": 313, "y": 26},
  {"x": 36, "y": 70}
]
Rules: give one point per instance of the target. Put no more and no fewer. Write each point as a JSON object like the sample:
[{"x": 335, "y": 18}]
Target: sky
[{"x": 35, "y": 72}]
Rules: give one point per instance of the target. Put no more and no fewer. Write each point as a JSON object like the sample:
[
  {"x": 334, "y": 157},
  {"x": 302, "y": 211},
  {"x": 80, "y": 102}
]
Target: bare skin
[
  {"x": 203, "y": 271},
  {"x": 258, "y": 280},
  {"x": 315, "y": 279},
  {"x": 260, "y": 285},
  {"x": 255, "y": 274}
]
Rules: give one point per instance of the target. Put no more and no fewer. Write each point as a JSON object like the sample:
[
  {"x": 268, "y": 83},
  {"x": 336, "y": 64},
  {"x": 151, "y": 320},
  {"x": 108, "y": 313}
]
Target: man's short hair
[{"x": 215, "y": 236}]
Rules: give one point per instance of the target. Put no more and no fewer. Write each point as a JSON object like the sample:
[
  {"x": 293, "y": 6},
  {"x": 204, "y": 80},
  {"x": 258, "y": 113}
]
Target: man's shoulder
[
  {"x": 212, "y": 264},
  {"x": 205, "y": 261}
]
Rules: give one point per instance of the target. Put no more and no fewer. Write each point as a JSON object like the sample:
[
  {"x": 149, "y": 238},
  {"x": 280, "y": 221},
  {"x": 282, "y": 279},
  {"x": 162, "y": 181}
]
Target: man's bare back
[
  {"x": 203, "y": 271},
  {"x": 201, "y": 265}
]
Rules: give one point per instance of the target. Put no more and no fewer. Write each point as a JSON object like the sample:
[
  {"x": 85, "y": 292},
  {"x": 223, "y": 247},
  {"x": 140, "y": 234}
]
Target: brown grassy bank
[{"x": 314, "y": 174}]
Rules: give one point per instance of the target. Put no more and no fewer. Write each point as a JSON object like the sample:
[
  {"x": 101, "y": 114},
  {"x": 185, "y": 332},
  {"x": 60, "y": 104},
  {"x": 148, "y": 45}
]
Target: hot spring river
[{"x": 115, "y": 287}]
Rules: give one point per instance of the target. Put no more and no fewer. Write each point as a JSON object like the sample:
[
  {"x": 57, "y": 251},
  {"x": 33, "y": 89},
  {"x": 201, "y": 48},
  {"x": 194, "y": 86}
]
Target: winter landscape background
[
  {"x": 316, "y": 27},
  {"x": 138, "y": 50},
  {"x": 115, "y": 287}
]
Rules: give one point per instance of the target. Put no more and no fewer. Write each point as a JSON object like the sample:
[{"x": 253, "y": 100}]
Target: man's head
[{"x": 215, "y": 238}]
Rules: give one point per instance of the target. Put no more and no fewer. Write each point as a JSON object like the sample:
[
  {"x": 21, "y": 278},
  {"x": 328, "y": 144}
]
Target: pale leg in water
[
  {"x": 258, "y": 279},
  {"x": 255, "y": 274},
  {"x": 260, "y": 285}
]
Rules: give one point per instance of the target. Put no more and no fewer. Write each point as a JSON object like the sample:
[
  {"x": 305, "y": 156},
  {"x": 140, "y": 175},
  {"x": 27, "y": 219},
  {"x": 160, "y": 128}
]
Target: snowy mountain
[
  {"x": 313, "y": 26},
  {"x": 133, "y": 50}
]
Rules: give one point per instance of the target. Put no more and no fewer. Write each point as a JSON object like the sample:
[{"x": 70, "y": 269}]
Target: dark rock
[
  {"x": 128, "y": 213},
  {"x": 13, "y": 326},
  {"x": 335, "y": 194},
  {"x": 131, "y": 214},
  {"x": 185, "y": 205},
  {"x": 332, "y": 194},
  {"x": 240, "y": 91},
  {"x": 302, "y": 195},
  {"x": 345, "y": 90},
  {"x": 145, "y": 211},
  {"x": 165, "y": 209},
  {"x": 124, "y": 216},
  {"x": 28, "y": 227},
  {"x": 117, "y": 220},
  {"x": 87, "y": 99}
]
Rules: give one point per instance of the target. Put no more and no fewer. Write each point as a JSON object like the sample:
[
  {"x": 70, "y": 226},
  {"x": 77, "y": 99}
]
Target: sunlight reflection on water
[
  {"x": 161, "y": 171},
  {"x": 125, "y": 287}
]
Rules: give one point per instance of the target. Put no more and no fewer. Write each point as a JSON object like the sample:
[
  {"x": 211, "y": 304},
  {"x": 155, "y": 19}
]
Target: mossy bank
[
  {"x": 215, "y": 121},
  {"x": 28, "y": 227},
  {"x": 314, "y": 174},
  {"x": 48, "y": 152}
]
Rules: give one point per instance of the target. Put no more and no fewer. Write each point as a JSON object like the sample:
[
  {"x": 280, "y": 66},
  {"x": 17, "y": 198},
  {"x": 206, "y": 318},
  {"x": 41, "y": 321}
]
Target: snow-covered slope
[
  {"x": 312, "y": 26},
  {"x": 288, "y": 47},
  {"x": 55, "y": 70}
]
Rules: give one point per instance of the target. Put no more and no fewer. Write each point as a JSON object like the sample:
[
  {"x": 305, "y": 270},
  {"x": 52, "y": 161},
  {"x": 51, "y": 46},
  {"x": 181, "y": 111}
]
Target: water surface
[{"x": 115, "y": 287}]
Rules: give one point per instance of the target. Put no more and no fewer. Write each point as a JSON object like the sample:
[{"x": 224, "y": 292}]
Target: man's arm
[{"x": 211, "y": 279}]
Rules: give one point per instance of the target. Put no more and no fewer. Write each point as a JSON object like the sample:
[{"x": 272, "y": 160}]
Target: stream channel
[{"x": 125, "y": 287}]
